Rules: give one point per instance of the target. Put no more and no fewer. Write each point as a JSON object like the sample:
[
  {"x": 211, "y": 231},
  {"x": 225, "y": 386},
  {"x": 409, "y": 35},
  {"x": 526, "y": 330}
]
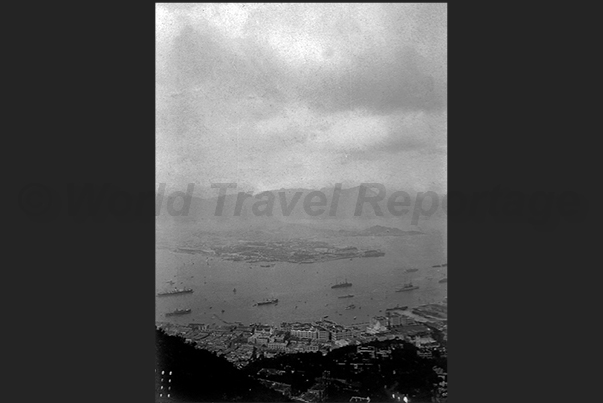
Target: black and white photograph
[{"x": 301, "y": 184}]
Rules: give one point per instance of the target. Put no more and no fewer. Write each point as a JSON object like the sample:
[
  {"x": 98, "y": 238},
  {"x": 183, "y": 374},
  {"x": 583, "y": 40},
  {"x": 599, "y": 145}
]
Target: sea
[{"x": 225, "y": 291}]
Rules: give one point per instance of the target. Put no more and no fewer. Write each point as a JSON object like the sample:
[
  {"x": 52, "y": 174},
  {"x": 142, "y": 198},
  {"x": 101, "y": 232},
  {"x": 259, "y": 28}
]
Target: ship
[
  {"x": 352, "y": 306},
  {"x": 373, "y": 253},
  {"x": 407, "y": 287},
  {"x": 444, "y": 280},
  {"x": 307, "y": 262},
  {"x": 268, "y": 301},
  {"x": 411, "y": 270},
  {"x": 186, "y": 249},
  {"x": 178, "y": 312},
  {"x": 346, "y": 296},
  {"x": 342, "y": 285},
  {"x": 175, "y": 291},
  {"x": 397, "y": 308}
]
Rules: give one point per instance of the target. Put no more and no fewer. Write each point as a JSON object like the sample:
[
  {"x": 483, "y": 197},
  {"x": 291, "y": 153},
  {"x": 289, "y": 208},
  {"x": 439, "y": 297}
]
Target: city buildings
[{"x": 240, "y": 343}]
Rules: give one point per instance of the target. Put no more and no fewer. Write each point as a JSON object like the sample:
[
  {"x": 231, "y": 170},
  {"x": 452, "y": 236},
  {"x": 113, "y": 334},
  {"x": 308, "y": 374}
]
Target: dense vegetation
[
  {"x": 200, "y": 375},
  {"x": 403, "y": 372}
]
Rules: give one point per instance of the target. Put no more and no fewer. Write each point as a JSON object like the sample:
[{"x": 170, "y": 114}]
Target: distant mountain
[
  {"x": 378, "y": 230},
  {"x": 325, "y": 208}
]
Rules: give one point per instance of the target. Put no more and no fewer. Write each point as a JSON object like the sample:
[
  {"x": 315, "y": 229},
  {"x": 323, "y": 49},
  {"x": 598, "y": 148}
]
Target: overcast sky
[{"x": 302, "y": 95}]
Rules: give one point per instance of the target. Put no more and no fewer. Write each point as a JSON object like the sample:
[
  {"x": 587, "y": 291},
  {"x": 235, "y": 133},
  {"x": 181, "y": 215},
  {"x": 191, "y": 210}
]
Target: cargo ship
[
  {"x": 411, "y": 270},
  {"x": 407, "y": 287},
  {"x": 346, "y": 296},
  {"x": 178, "y": 312},
  {"x": 175, "y": 291},
  {"x": 268, "y": 301},
  {"x": 185, "y": 249},
  {"x": 373, "y": 253},
  {"x": 342, "y": 285},
  {"x": 397, "y": 308}
]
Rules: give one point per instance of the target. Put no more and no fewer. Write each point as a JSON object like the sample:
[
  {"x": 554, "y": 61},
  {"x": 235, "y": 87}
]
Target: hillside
[{"x": 201, "y": 376}]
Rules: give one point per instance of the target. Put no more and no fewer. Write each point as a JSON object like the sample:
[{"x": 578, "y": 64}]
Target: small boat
[
  {"x": 326, "y": 316},
  {"x": 444, "y": 280},
  {"x": 408, "y": 286}
]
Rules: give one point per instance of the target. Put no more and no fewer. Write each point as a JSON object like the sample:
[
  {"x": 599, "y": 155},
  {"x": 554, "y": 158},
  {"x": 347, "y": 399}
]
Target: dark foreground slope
[{"x": 200, "y": 376}]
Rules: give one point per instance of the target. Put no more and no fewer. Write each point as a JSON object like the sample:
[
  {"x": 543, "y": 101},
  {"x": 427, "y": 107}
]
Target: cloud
[
  {"x": 335, "y": 57},
  {"x": 316, "y": 87},
  {"x": 355, "y": 130}
]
